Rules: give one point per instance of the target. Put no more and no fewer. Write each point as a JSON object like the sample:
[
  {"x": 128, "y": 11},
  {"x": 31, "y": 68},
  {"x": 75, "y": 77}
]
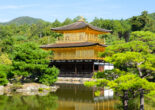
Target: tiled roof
[
  {"x": 67, "y": 45},
  {"x": 79, "y": 25}
]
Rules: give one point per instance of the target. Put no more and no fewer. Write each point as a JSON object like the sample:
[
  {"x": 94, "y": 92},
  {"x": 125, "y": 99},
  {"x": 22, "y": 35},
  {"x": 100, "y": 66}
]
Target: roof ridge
[{"x": 79, "y": 25}]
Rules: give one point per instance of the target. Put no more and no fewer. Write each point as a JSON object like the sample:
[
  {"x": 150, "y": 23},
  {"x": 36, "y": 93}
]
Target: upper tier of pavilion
[{"x": 80, "y": 31}]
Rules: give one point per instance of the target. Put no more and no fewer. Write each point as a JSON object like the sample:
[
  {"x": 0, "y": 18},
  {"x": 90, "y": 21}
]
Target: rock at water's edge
[
  {"x": 1, "y": 90},
  {"x": 30, "y": 89}
]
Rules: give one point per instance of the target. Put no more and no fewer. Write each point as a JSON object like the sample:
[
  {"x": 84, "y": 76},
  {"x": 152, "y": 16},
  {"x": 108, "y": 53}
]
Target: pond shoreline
[{"x": 27, "y": 89}]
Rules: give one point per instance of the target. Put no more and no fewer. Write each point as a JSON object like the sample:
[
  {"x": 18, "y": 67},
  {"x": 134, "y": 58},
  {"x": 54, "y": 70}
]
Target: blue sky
[{"x": 50, "y": 10}]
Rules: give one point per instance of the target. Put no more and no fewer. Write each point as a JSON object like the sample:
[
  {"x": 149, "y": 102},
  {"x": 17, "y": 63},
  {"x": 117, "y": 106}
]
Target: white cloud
[
  {"x": 16, "y": 6},
  {"x": 4, "y": 20}
]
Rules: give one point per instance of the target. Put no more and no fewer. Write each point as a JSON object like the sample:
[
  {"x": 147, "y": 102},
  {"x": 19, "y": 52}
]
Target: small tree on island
[
  {"x": 30, "y": 63},
  {"x": 126, "y": 86}
]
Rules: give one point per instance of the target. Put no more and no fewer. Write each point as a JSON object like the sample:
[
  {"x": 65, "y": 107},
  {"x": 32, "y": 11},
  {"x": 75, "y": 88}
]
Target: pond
[
  {"x": 79, "y": 97},
  {"x": 67, "y": 97}
]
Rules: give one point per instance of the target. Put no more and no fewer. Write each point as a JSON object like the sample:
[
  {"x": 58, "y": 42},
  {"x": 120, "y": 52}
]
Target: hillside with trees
[{"x": 24, "y": 20}]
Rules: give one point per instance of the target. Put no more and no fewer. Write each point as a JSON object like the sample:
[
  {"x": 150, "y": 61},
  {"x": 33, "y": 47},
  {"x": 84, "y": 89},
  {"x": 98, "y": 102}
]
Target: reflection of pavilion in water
[{"x": 78, "y": 97}]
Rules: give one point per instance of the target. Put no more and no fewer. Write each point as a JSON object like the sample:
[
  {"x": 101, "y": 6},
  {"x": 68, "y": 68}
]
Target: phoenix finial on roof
[{"x": 81, "y": 18}]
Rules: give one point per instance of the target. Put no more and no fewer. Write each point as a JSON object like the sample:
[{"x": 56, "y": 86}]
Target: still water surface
[{"x": 67, "y": 97}]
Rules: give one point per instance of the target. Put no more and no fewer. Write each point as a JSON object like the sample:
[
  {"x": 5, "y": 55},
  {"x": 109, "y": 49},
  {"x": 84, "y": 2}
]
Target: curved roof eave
[
  {"x": 69, "y": 45},
  {"x": 79, "y": 25}
]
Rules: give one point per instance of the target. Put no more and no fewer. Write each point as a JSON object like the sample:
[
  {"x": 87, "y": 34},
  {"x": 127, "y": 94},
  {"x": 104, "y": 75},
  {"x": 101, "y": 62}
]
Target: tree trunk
[
  {"x": 142, "y": 99},
  {"x": 142, "y": 90},
  {"x": 120, "y": 35},
  {"x": 125, "y": 100},
  {"x": 126, "y": 36}
]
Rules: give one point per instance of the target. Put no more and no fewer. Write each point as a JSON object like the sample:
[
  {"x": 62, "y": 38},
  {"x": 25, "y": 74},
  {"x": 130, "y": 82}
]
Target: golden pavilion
[{"x": 76, "y": 53}]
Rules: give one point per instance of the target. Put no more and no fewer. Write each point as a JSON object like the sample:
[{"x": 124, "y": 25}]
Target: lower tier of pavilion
[
  {"x": 78, "y": 68},
  {"x": 75, "y": 51}
]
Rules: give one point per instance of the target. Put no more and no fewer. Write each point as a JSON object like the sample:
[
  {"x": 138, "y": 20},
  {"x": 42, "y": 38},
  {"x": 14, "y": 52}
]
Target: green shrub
[
  {"x": 50, "y": 76},
  {"x": 3, "y": 79},
  {"x": 40, "y": 89},
  {"x": 31, "y": 63}
]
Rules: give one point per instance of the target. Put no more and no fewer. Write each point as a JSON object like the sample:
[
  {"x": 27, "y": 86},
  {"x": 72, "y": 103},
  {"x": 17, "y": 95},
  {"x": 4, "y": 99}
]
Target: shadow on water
[{"x": 67, "y": 97}]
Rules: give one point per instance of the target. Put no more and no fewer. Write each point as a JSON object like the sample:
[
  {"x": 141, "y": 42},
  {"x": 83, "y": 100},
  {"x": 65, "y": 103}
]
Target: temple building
[{"x": 76, "y": 53}]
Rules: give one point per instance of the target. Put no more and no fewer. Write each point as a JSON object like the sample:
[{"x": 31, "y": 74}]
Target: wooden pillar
[
  {"x": 93, "y": 70},
  {"x": 93, "y": 67},
  {"x": 75, "y": 68}
]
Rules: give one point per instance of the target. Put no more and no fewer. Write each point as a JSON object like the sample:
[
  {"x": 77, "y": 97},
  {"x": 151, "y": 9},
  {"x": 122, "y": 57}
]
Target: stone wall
[{"x": 72, "y": 80}]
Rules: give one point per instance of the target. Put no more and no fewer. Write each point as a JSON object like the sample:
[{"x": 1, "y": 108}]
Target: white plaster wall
[{"x": 108, "y": 67}]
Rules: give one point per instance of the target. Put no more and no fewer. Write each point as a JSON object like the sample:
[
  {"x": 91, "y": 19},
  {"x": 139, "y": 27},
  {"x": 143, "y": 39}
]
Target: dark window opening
[{"x": 96, "y": 67}]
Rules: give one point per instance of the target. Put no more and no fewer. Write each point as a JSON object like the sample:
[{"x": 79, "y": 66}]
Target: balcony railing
[
  {"x": 74, "y": 58},
  {"x": 97, "y": 40}
]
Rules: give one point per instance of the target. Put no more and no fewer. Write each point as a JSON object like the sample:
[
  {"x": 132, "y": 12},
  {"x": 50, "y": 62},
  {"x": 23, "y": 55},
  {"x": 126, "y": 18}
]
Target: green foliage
[
  {"x": 133, "y": 62},
  {"x": 97, "y": 83},
  {"x": 40, "y": 89},
  {"x": 107, "y": 24},
  {"x": 5, "y": 63},
  {"x": 145, "y": 36},
  {"x": 130, "y": 57},
  {"x": 50, "y": 76},
  {"x": 56, "y": 23},
  {"x": 90, "y": 83},
  {"x": 152, "y": 15},
  {"x": 5, "y": 60},
  {"x": 6, "y": 31},
  {"x": 6, "y": 45},
  {"x": 150, "y": 98},
  {"x": 125, "y": 59},
  {"x": 67, "y": 21},
  {"x": 4, "y": 70},
  {"x": 110, "y": 39},
  {"x": 131, "y": 82},
  {"x": 140, "y": 35},
  {"x": 46, "y": 40},
  {"x": 120, "y": 27},
  {"x": 142, "y": 22},
  {"x": 125, "y": 82},
  {"x": 109, "y": 74},
  {"x": 3, "y": 78},
  {"x": 24, "y": 20},
  {"x": 30, "y": 62},
  {"x": 33, "y": 102},
  {"x": 134, "y": 57},
  {"x": 132, "y": 105},
  {"x": 119, "y": 47},
  {"x": 97, "y": 93}
]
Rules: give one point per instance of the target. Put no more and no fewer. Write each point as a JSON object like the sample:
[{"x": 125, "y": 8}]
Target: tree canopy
[{"x": 31, "y": 62}]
